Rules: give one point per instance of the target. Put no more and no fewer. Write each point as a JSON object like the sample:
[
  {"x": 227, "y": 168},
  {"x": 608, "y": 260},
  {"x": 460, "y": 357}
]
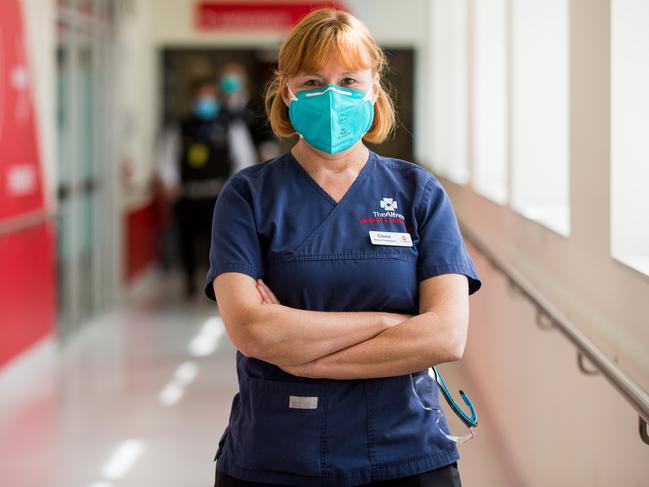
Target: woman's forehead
[
  {"x": 338, "y": 57},
  {"x": 334, "y": 63},
  {"x": 338, "y": 70}
]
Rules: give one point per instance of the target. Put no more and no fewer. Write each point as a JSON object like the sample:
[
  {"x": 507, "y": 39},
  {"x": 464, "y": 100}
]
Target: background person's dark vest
[{"x": 205, "y": 162}]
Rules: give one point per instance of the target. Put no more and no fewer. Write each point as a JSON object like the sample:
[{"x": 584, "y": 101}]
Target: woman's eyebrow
[{"x": 320, "y": 76}]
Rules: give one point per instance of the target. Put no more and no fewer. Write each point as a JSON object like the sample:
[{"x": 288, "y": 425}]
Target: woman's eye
[
  {"x": 311, "y": 82},
  {"x": 349, "y": 81}
]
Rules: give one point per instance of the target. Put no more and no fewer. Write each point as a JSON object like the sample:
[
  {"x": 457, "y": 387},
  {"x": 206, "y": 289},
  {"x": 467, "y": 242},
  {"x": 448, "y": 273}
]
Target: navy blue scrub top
[{"x": 273, "y": 221}]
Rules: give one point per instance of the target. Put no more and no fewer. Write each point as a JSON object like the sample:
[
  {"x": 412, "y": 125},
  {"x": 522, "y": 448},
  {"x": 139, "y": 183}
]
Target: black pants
[
  {"x": 194, "y": 223},
  {"x": 447, "y": 476}
]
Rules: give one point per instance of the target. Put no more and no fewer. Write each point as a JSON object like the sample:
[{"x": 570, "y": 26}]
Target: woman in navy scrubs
[{"x": 338, "y": 273}]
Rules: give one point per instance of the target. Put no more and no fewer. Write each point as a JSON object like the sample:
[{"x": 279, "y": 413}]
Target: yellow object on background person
[{"x": 197, "y": 155}]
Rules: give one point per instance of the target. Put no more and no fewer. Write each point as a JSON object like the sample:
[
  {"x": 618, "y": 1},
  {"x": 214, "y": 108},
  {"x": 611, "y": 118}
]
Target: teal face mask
[
  {"x": 332, "y": 118},
  {"x": 231, "y": 83},
  {"x": 206, "y": 108}
]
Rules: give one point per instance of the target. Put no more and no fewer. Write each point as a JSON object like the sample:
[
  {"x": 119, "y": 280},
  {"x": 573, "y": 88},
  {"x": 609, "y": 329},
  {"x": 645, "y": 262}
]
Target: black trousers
[
  {"x": 447, "y": 476},
  {"x": 194, "y": 223}
]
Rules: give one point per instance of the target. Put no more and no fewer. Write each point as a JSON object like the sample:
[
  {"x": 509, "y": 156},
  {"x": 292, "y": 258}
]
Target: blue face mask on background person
[
  {"x": 206, "y": 107},
  {"x": 332, "y": 118},
  {"x": 231, "y": 83}
]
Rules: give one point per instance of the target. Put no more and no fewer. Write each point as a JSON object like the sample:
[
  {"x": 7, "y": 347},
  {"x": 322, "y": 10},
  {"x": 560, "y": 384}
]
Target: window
[
  {"x": 629, "y": 122},
  {"x": 539, "y": 125},
  {"x": 450, "y": 89},
  {"x": 489, "y": 48}
]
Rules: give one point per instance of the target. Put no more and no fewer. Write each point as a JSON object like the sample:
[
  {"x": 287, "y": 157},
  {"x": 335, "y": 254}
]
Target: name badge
[{"x": 398, "y": 239}]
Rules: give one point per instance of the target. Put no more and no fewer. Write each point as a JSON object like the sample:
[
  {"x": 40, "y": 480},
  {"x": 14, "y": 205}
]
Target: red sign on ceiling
[{"x": 255, "y": 16}]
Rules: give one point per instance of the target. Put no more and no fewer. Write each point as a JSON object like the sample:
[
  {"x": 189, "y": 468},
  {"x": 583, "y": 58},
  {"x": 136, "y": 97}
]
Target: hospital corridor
[{"x": 324, "y": 243}]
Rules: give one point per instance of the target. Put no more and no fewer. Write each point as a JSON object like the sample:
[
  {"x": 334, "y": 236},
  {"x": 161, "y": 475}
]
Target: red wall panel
[
  {"x": 142, "y": 230},
  {"x": 27, "y": 284}
]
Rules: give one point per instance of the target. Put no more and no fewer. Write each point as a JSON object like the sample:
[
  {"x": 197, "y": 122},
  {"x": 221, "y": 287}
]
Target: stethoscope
[{"x": 469, "y": 420}]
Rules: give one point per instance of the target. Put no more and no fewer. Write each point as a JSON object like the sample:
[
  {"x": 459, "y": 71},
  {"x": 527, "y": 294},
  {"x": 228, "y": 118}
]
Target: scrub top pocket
[
  {"x": 406, "y": 428},
  {"x": 282, "y": 424}
]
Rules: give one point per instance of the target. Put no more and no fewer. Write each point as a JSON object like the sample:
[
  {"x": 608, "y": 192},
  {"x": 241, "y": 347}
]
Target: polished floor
[{"x": 140, "y": 396}]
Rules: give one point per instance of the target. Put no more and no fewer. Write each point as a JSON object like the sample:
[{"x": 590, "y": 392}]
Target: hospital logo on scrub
[
  {"x": 388, "y": 215},
  {"x": 388, "y": 204}
]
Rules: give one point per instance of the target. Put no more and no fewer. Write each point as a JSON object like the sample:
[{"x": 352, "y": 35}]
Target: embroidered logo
[
  {"x": 388, "y": 215},
  {"x": 388, "y": 204}
]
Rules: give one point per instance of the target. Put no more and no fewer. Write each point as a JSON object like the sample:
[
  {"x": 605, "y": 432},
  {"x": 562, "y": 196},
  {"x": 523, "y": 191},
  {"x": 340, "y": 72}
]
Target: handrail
[
  {"x": 24, "y": 221},
  {"x": 625, "y": 385}
]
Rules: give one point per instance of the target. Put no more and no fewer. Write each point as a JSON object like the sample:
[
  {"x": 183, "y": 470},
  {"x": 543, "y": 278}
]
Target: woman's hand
[
  {"x": 395, "y": 319},
  {"x": 267, "y": 296}
]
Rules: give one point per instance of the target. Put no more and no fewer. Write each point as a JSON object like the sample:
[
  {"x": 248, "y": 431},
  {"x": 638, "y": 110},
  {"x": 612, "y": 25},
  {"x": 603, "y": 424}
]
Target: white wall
[
  {"x": 136, "y": 96},
  {"x": 39, "y": 22}
]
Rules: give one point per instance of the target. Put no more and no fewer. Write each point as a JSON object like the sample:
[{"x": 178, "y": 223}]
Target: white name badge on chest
[{"x": 391, "y": 238}]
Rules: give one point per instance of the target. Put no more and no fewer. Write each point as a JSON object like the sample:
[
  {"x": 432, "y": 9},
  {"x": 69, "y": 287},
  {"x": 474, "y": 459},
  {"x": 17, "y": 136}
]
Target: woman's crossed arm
[
  {"x": 436, "y": 335},
  {"x": 346, "y": 345},
  {"x": 287, "y": 336}
]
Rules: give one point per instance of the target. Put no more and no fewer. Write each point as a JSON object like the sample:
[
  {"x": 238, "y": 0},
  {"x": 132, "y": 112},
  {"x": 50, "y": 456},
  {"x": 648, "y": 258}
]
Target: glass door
[{"x": 84, "y": 266}]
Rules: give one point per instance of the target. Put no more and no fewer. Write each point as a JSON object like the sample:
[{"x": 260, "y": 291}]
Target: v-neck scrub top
[{"x": 274, "y": 221}]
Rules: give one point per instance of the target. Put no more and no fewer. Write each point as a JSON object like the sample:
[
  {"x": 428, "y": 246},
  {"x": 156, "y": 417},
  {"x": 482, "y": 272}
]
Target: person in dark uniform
[
  {"x": 195, "y": 162},
  {"x": 342, "y": 277}
]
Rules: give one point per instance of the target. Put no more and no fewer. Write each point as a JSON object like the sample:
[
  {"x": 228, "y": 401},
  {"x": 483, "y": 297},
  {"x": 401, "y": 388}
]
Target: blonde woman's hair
[{"x": 308, "y": 47}]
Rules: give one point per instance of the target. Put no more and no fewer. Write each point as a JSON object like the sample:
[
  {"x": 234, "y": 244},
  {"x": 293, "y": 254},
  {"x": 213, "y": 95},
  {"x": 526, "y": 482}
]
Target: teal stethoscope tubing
[{"x": 469, "y": 421}]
